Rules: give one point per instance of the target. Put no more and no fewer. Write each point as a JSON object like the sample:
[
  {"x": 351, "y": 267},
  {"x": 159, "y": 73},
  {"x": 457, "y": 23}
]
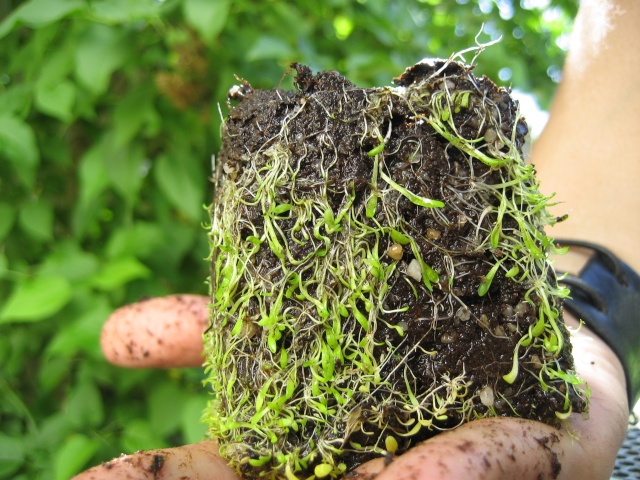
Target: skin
[
  {"x": 594, "y": 121},
  {"x": 484, "y": 449}
]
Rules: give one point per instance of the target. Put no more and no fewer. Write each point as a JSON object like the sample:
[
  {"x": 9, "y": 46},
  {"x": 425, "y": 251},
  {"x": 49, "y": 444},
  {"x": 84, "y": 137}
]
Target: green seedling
[{"x": 380, "y": 273}]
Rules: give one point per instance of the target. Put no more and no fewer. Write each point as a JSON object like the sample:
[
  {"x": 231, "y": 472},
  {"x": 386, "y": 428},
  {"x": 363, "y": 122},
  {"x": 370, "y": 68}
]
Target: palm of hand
[{"x": 497, "y": 448}]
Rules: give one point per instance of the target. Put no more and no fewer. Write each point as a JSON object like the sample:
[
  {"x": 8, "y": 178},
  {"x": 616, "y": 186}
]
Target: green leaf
[
  {"x": 93, "y": 181},
  {"x": 119, "y": 272},
  {"x": 92, "y": 173},
  {"x": 131, "y": 113},
  {"x": 36, "y": 219},
  {"x": 398, "y": 237},
  {"x": 268, "y": 47},
  {"x": 18, "y": 145},
  {"x": 100, "y": 52},
  {"x": 36, "y": 299},
  {"x": 125, "y": 11},
  {"x": 125, "y": 166},
  {"x": 83, "y": 335},
  {"x": 72, "y": 456},
  {"x": 57, "y": 100},
  {"x": 70, "y": 262},
  {"x": 143, "y": 240},
  {"x": 4, "y": 264},
  {"x": 84, "y": 406},
  {"x": 181, "y": 185},
  {"x": 166, "y": 399},
  {"x": 415, "y": 199},
  {"x": 139, "y": 435},
  {"x": 37, "y": 13},
  {"x": 12, "y": 454},
  {"x": 7, "y": 217},
  {"x": 16, "y": 100},
  {"x": 52, "y": 373},
  {"x": 208, "y": 17},
  {"x": 56, "y": 66}
]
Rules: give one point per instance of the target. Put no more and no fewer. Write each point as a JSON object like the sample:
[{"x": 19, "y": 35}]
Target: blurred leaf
[
  {"x": 206, "y": 16},
  {"x": 83, "y": 122},
  {"x": 57, "y": 100},
  {"x": 4, "y": 266},
  {"x": 92, "y": 173},
  {"x": 139, "y": 435},
  {"x": 52, "y": 430},
  {"x": 36, "y": 219},
  {"x": 119, "y": 272},
  {"x": 15, "y": 100},
  {"x": 73, "y": 455},
  {"x": 84, "y": 406},
  {"x": 36, "y": 13},
  {"x": 7, "y": 216},
  {"x": 36, "y": 299},
  {"x": 140, "y": 240},
  {"x": 68, "y": 261},
  {"x": 53, "y": 372},
  {"x": 131, "y": 113},
  {"x": 93, "y": 180},
  {"x": 118, "y": 11},
  {"x": 99, "y": 53},
  {"x": 165, "y": 400},
  {"x": 193, "y": 428},
  {"x": 125, "y": 167},
  {"x": 182, "y": 187},
  {"x": 12, "y": 454},
  {"x": 83, "y": 335},
  {"x": 18, "y": 145},
  {"x": 56, "y": 66},
  {"x": 268, "y": 47}
]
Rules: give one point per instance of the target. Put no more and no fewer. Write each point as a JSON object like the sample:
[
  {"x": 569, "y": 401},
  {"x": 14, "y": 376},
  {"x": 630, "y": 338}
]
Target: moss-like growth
[{"x": 380, "y": 272}]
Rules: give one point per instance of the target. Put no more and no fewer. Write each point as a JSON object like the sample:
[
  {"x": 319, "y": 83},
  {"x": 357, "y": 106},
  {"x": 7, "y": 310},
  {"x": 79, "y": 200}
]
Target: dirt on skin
[{"x": 410, "y": 328}]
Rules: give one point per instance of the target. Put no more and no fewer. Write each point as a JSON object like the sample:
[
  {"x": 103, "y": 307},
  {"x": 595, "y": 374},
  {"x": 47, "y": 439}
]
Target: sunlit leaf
[
  {"x": 206, "y": 16},
  {"x": 123, "y": 11},
  {"x": 57, "y": 100},
  {"x": 139, "y": 435},
  {"x": 70, "y": 261},
  {"x": 36, "y": 219},
  {"x": 180, "y": 185},
  {"x": 73, "y": 455},
  {"x": 119, "y": 272},
  {"x": 18, "y": 145},
  {"x": 36, "y": 299},
  {"x": 83, "y": 335},
  {"x": 193, "y": 428},
  {"x": 131, "y": 112},
  {"x": 100, "y": 52},
  {"x": 268, "y": 47},
  {"x": 37, "y": 13},
  {"x": 165, "y": 401},
  {"x": 125, "y": 167}
]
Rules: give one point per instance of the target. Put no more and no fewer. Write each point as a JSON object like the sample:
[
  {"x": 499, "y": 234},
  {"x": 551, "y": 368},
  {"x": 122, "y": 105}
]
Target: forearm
[{"x": 588, "y": 152}]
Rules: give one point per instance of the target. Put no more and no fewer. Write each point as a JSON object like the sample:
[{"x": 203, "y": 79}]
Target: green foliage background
[{"x": 108, "y": 118}]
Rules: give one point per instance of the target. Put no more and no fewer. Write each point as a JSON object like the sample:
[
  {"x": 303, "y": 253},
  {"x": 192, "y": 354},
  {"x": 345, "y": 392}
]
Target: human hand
[{"x": 166, "y": 332}]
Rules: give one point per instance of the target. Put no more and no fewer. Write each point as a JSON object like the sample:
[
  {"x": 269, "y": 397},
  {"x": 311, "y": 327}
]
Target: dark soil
[{"x": 447, "y": 329}]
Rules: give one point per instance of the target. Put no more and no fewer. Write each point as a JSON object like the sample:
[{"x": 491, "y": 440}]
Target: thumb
[
  {"x": 199, "y": 460},
  {"x": 159, "y": 332}
]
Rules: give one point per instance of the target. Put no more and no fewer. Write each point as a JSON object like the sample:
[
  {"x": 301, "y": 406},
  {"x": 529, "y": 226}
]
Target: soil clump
[{"x": 380, "y": 272}]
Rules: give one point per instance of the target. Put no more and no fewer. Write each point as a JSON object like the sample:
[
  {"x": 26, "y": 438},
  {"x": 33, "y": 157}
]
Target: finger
[
  {"x": 500, "y": 448},
  {"x": 159, "y": 332},
  {"x": 200, "y": 460}
]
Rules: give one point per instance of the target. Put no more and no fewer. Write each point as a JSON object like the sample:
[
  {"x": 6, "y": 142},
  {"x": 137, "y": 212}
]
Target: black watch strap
[{"x": 606, "y": 296}]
